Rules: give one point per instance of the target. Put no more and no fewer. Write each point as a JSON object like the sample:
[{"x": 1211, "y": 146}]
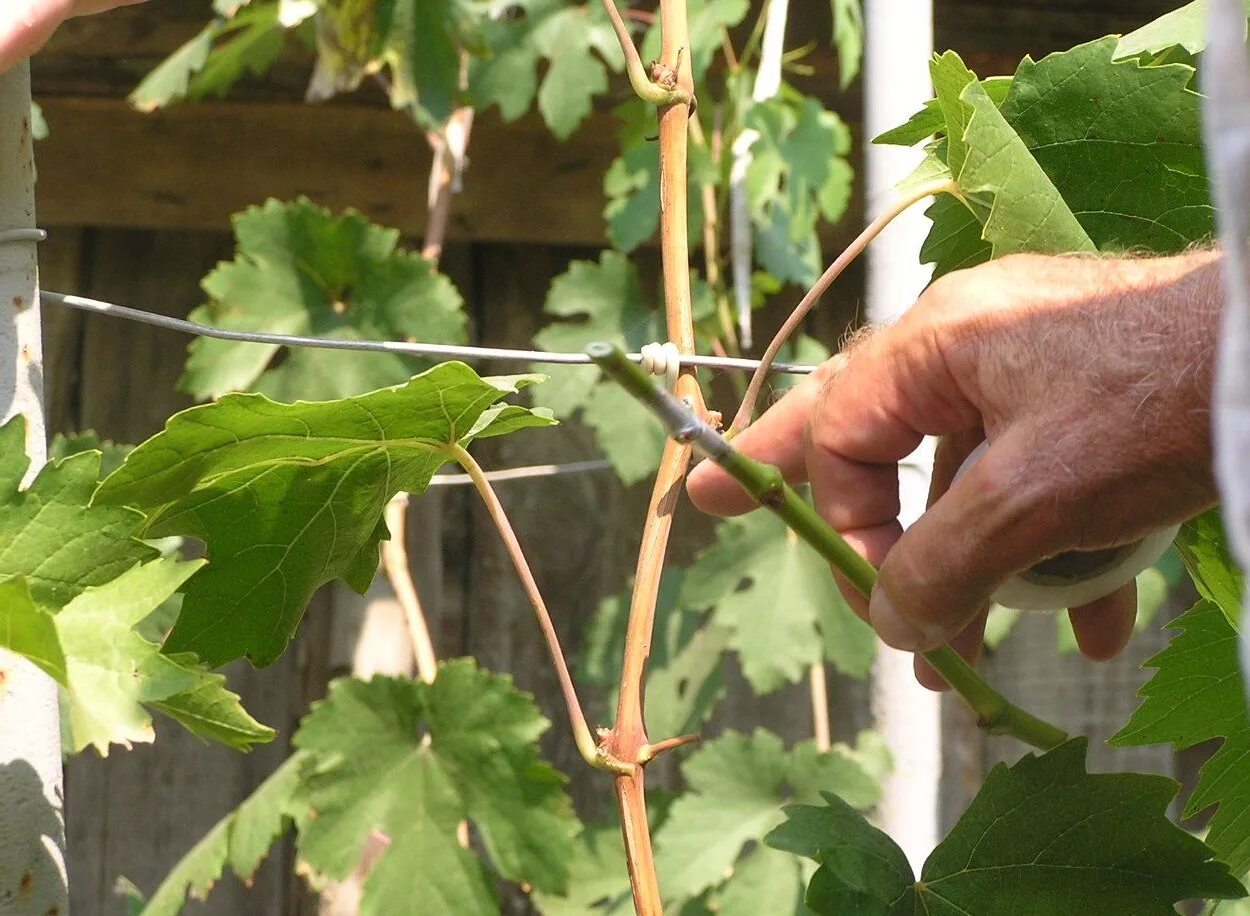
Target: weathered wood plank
[{"x": 193, "y": 166}]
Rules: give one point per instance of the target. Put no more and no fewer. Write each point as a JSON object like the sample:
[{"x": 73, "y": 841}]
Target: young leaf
[
  {"x": 736, "y": 785},
  {"x": 778, "y": 601},
  {"x": 51, "y": 534},
  {"x": 412, "y": 760},
  {"x": 300, "y": 270},
  {"x": 1196, "y": 694},
  {"x": 110, "y": 673},
  {"x": 1025, "y": 171},
  {"x": 288, "y": 497},
  {"x": 1013, "y": 198},
  {"x": 1042, "y": 838},
  {"x": 239, "y": 840}
]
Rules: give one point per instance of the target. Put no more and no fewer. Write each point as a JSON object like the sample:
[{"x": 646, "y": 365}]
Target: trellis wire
[{"x": 411, "y": 348}]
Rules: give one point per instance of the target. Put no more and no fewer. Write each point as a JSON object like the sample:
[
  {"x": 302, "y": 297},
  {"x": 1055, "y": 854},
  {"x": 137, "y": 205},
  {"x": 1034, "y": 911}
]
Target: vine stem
[
  {"x": 765, "y": 483},
  {"x": 582, "y": 735},
  {"x": 746, "y": 412},
  {"x": 670, "y": 85},
  {"x": 395, "y": 564}
]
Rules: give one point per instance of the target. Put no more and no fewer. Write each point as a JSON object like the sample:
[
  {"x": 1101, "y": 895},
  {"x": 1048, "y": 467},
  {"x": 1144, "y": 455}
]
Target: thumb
[{"x": 992, "y": 523}]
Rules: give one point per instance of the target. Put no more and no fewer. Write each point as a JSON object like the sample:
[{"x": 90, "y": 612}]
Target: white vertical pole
[
  {"x": 898, "y": 45},
  {"x": 32, "y": 831}
]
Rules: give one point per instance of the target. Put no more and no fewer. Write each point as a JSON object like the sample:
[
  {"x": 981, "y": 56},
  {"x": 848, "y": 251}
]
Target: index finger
[{"x": 777, "y": 438}]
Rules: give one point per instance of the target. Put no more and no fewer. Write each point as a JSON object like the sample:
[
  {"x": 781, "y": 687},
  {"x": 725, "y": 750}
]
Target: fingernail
[{"x": 890, "y": 626}]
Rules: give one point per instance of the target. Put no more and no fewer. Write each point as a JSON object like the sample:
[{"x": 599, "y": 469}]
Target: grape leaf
[
  {"x": 1042, "y": 837},
  {"x": 239, "y": 840},
  {"x": 51, "y": 535},
  {"x": 110, "y": 673},
  {"x": 605, "y": 301},
  {"x": 1185, "y": 27},
  {"x": 1196, "y": 695},
  {"x": 112, "y": 454},
  {"x": 1030, "y": 172},
  {"x": 412, "y": 760},
  {"x": 241, "y": 39},
  {"x": 764, "y": 881},
  {"x": 1012, "y": 197},
  {"x": 848, "y": 38},
  {"x": 28, "y": 631},
  {"x": 929, "y": 119},
  {"x": 798, "y": 173},
  {"x": 579, "y": 46},
  {"x": 288, "y": 497},
  {"x": 598, "y": 877},
  {"x": 1211, "y": 565},
  {"x": 736, "y": 784},
  {"x": 778, "y": 601},
  {"x": 300, "y": 270},
  {"x": 684, "y": 680}
]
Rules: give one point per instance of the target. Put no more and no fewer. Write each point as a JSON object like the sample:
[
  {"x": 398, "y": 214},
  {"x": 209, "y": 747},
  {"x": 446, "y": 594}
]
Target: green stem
[{"x": 764, "y": 482}]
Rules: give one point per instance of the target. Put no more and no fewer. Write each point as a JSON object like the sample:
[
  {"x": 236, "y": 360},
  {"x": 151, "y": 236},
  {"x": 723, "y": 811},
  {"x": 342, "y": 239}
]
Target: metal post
[{"x": 32, "y": 831}]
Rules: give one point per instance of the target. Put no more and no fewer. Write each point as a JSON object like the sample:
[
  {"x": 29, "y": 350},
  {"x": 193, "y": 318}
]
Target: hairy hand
[
  {"x": 26, "y": 24},
  {"x": 1090, "y": 379}
]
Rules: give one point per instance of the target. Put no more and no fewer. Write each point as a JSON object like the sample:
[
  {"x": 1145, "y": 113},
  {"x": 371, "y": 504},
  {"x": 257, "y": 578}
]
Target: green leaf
[
  {"x": 632, "y": 187},
  {"x": 28, "y": 631},
  {"x": 241, "y": 840},
  {"x": 1012, "y": 196},
  {"x": 848, "y": 38},
  {"x": 778, "y": 601},
  {"x": 171, "y": 81},
  {"x": 1033, "y": 174},
  {"x": 51, "y": 534},
  {"x": 1211, "y": 565},
  {"x": 1195, "y": 695},
  {"x": 1185, "y": 28},
  {"x": 412, "y": 760},
  {"x": 861, "y": 870},
  {"x": 602, "y": 301},
  {"x": 568, "y": 91},
  {"x": 300, "y": 270},
  {"x": 598, "y": 876},
  {"x": 112, "y": 454},
  {"x": 1042, "y": 837},
  {"x": 576, "y": 42},
  {"x": 255, "y": 41},
  {"x": 110, "y": 673},
  {"x": 929, "y": 120},
  {"x": 287, "y": 497},
  {"x": 736, "y": 784}
]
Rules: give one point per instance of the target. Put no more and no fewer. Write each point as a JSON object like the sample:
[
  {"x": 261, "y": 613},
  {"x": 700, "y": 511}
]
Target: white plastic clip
[{"x": 662, "y": 359}]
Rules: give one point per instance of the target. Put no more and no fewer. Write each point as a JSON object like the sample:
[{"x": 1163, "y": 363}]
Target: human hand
[
  {"x": 26, "y": 24},
  {"x": 1091, "y": 379}
]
